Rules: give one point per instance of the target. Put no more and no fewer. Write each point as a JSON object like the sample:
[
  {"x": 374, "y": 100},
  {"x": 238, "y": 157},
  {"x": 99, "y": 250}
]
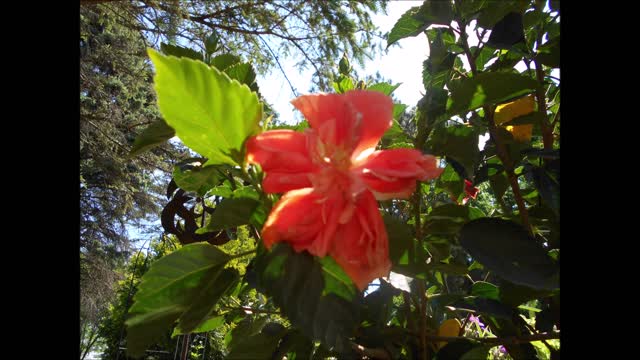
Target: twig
[
  {"x": 376, "y": 353},
  {"x": 501, "y": 150}
]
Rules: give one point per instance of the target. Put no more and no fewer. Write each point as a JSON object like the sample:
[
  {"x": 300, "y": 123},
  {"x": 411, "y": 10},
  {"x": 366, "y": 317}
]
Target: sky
[{"x": 402, "y": 64}]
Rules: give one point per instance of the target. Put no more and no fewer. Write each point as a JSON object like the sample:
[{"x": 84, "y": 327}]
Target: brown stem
[
  {"x": 500, "y": 148},
  {"x": 496, "y": 340},
  {"x": 376, "y": 353}
]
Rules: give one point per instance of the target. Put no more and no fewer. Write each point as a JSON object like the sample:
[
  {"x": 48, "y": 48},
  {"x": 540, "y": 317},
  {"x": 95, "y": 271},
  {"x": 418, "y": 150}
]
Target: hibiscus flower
[{"x": 331, "y": 176}]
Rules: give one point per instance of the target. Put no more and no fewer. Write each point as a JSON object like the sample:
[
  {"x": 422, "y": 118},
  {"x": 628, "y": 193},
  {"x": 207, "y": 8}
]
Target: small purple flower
[
  {"x": 476, "y": 319},
  {"x": 502, "y": 349}
]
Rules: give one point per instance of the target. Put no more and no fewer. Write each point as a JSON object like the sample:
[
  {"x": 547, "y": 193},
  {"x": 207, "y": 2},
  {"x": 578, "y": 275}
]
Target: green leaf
[
  {"x": 406, "y": 26},
  {"x": 454, "y": 350},
  {"x": 458, "y": 142},
  {"x": 453, "y": 211},
  {"x": 168, "y": 289},
  {"x": 486, "y": 89},
  {"x": 336, "y": 281},
  {"x": 246, "y": 328},
  {"x": 514, "y": 295},
  {"x": 343, "y": 85},
  {"x": 194, "y": 316},
  {"x": 259, "y": 346},
  {"x": 486, "y": 53},
  {"x": 206, "y": 326},
  {"x": 232, "y": 212},
  {"x": 211, "y": 43},
  {"x": 485, "y": 290},
  {"x": 400, "y": 238},
  {"x": 384, "y": 88},
  {"x": 157, "y": 133},
  {"x": 499, "y": 183},
  {"x": 296, "y": 282},
  {"x": 212, "y": 114},
  {"x": 451, "y": 182},
  {"x": 180, "y": 51},
  {"x": 244, "y": 73},
  {"x": 506, "y": 249},
  {"x": 549, "y": 53},
  {"x": 223, "y": 61},
  {"x": 507, "y": 32},
  {"x": 494, "y": 11},
  {"x": 197, "y": 179},
  {"x": 478, "y": 352},
  {"x": 294, "y": 345},
  {"x": 398, "y": 110}
]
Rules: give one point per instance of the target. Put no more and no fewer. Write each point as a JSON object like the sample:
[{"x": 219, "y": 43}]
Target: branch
[
  {"x": 293, "y": 89},
  {"x": 500, "y": 148},
  {"x": 376, "y": 353},
  {"x": 255, "y": 311},
  {"x": 496, "y": 340}
]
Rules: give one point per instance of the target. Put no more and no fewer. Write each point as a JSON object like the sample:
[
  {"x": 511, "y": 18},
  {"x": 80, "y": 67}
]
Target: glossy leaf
[
  {"x": 232, "y": 212},
  {"x": 506, "y": 249},
  {"x": 197, "y": 179},
  {"x": 224, "y": 61},
  {"x": 155, "y": 134},
  {"x": 485, "y": 290},
  {"x": 384, "y": 88},
  {"x": 211, "y": 113},
  {"x": 486, "y": 89},
  {"x": 296, "y": 282},
  {"x": 406, "y": 26},
  {"x": 168, "y": 289},
  {"x": 180, "y": 51},
  {"x": 458, "y": 142}
]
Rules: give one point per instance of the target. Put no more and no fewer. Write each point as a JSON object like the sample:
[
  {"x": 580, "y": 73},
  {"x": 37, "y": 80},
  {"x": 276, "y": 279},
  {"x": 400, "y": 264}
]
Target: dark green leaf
[
  {"x": 245, "y": 329},
  {"x": 343, "y": 85},
  {"x": 548, "y": 187},
  {"x": 531, "y": 118},
  {"x": 154, "y": 135},
  {"x": 224, "y": 61},
  {"x": 453, "y": 211},
  {"x": 406, "y": 26},
  {"x": 486, "y": 53},
  {"x": 295, "y": 346},
  {"x": 477, "y": 353},
  {"x": 168, "y": 289},
  {"x": 458, "y": 142},
  {"x": 336, "y": 281},
  {"x": 506, "y": 249},
  {"x": 384, "y": 88},
  {"x": 180, "y": 51},
  {"x": 211, "y": 113},
  {"x": 296, "y": 282},
  {"x": 197, "y": 179},
  {"x": 454, "y": 350},
  {"x": 260, "y": 346},
  {"x": 194, "y": 316},
  {"x": 507, "y": 32},
  {"x": 487, "y": 307},
  {"x": 451, "y": 182},
  {"x": 486, "y": 89},
  {"x": 211, "y": 43},
  {"x": 400, "y": 238},
  {"x": 206, "y": 326},
  {"x": 499, "y": 183},
  {"x": 244, "y": 73},
  {"x": 544, "y": 321},
  {"x": 485, "y": 290},
  {"x": 232, "y": 213},
  {"x": 514, "y": 295},
  {"x": 549, "y": 53},
  {"x": 494, "y": 11}
]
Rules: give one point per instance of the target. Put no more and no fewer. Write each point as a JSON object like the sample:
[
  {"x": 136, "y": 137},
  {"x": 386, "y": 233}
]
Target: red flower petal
[
  {"x": 393, "y": 173},
  {"x": 305, "y": 219},
  {"x": 470, "y": 190},
  {"x": 361, "y": 246},
  {"x": 355, "y": 120},
  {"x": 283, "y": 155}
]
